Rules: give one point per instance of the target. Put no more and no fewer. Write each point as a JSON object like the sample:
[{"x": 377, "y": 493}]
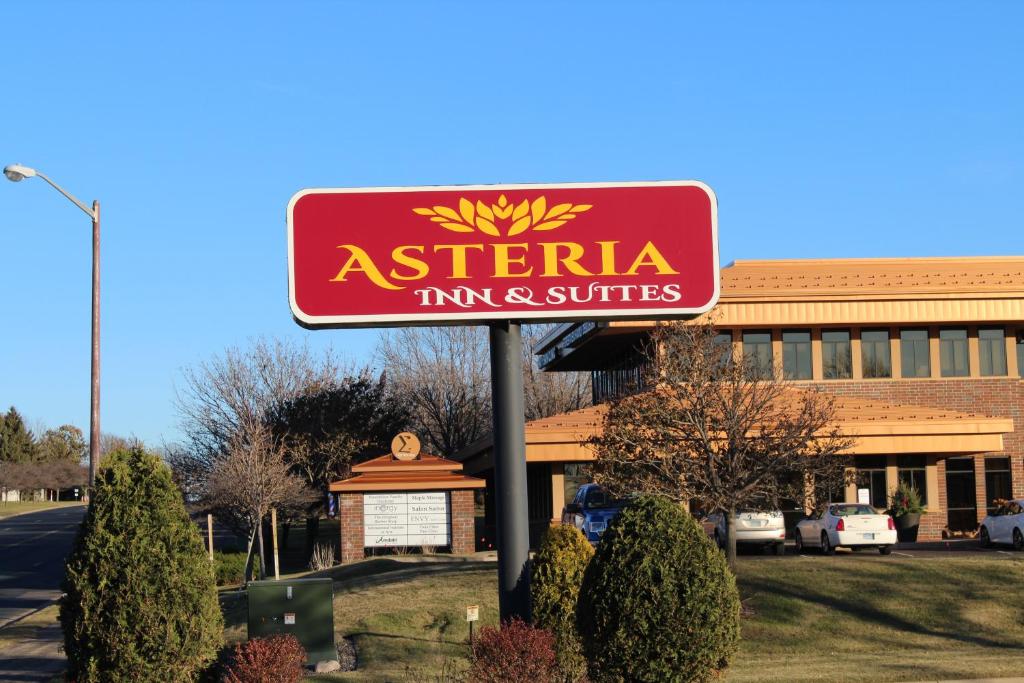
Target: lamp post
[{"x": 16, "y": 173}]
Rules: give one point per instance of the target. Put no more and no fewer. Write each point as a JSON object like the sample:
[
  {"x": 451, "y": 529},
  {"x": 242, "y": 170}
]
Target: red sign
[{"x": 435, "y": 255}]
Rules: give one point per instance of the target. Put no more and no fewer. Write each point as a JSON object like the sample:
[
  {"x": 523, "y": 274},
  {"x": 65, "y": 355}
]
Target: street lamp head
[{"x": 16, "y": 172}]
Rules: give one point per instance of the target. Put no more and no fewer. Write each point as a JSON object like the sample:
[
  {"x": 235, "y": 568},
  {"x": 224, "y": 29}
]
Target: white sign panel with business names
[{"x": 406, "y": 519}]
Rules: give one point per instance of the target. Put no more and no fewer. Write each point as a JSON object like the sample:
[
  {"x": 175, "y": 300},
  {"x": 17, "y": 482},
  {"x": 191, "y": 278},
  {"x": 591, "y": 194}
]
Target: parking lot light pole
[{"x": 16, "y": 173}]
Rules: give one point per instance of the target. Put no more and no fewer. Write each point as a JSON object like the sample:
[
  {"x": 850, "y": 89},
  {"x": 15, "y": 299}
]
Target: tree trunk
[
  {"x": 263, "y": 555},
  {"x": 730, "y": 537},
  {"x": 58, "y": 496}
]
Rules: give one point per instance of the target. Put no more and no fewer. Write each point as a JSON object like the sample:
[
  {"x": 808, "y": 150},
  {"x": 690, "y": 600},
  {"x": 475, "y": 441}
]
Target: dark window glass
[
  {"x": 875, "y": 358},
  {"x": 1020, "y": 354},
  {"x": 953, "y": 353},
  {"x": 723, "y": 342},
  {"x": 836, "y": 360},
  {"x": 914, "y": 356},
  {"x": 911, "y": 471},
  {"x": 992, "y": 351},
  {"x": 576, "y": 475},
  {"x": 997, "y": 481},
  {"x": 872, "y": 479},
  {"x": 960, "y": 465},
  {"x": 796, "y": 354},
  {"x": 757, "y": 352}
]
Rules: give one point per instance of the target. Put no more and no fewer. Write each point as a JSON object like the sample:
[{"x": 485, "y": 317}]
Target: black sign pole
[{"x": 510, "y": 470}]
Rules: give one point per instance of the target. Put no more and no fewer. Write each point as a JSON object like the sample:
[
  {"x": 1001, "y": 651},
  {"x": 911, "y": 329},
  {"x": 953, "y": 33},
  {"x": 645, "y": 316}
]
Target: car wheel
[
  {"x": 1018, "y": 540},
  {"x": 826, "y": 545},
  {"x": 986, "y": 541},
  {"x": 780, "y": 548},
  {"x": 884, "y": 549},
  {"x": 799, "y": 541}
]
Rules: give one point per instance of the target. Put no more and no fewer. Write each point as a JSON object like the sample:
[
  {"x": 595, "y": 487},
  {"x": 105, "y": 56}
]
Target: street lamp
[{"x": 16, "y": 173}]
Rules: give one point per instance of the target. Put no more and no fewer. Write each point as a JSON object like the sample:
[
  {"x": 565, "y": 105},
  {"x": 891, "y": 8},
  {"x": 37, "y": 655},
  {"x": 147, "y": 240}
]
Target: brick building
[{"x": 925, "y": 356}]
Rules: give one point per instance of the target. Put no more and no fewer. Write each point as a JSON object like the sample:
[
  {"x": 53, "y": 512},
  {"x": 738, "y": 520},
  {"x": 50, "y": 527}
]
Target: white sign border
[{"x": 389, "y": 320}]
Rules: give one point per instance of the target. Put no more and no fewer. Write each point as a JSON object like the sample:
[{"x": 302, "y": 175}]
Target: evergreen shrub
[
  {"x": 140, "y": 602},
  {"x": 515, "y": 653},
  {"x": 557, "y": 573},
  {"x": 658, "y": 602},
  {"x": 229, "y": 568},
  {"x": 276, "y": 659}
]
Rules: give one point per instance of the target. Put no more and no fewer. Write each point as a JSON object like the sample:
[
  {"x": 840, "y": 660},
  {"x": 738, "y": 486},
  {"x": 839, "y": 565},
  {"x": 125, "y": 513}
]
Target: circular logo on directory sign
[{"x": 405, "y": 446}]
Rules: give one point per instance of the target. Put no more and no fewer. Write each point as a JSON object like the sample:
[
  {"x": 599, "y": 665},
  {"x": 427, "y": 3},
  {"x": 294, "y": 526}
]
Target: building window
[
  {"x": 796, "y": 354},
  {"x": 626, "y": 376},
  {"x": 992, "y": 351},
  {"x": 911, "y": 472},
  {"x": 997, "y": 481},
  {"x": 953, "y": 353},
  {"x": 875, "y": 358},
  {"x": 723, "y": 344},
  {"x": 1020, "y": 353},
  {"x": 575, "y": 476},
  {"x": 757, "y": 353},
  {"x": 914, "y": 355},
  {"x": 871, "y": 476},
  {"x": 836, "y": 359}
]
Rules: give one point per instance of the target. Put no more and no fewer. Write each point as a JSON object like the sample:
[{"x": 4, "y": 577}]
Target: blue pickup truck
[{"x": 591, "y": 511}]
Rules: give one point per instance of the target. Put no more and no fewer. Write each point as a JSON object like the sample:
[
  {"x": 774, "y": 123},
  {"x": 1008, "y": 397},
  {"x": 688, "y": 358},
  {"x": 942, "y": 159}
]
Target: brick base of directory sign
[{"x": 352, "y": 530}]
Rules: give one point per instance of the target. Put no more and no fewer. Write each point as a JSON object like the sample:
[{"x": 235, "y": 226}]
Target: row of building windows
[
  {"x": 960, "y": 488},
  {"x": 875, "y": 352}
]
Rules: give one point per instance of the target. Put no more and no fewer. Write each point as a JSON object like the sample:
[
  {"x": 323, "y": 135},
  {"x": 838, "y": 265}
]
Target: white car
[
  {"x": 1005, "y": 525},
  {"x": 767, "y": 529},
  {"x": 847, "y": 525}
]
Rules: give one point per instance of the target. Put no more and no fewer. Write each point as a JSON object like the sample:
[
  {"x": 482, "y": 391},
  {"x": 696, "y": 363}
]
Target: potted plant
[{"x": 905, "y": 508}]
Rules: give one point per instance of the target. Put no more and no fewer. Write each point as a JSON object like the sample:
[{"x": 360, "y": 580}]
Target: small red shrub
[
  {"x": 277, "y": 659},
  {"x": 515, "y": 653}
]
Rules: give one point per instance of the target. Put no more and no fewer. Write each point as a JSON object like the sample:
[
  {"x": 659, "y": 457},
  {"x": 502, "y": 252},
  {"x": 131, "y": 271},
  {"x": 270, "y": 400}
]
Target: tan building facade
[{"x": 925, "y": 356}]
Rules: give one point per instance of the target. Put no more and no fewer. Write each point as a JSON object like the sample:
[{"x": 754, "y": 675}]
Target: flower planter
[{"x": 906, "y": 527}]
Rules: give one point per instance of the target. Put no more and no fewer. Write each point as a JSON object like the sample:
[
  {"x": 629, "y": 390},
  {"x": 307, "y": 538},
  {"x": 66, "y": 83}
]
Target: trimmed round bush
[
  {"x": 276, "y": 659},
  {"x": 140, "y": 603},
  {"x": 658, "y": 602},
  {"x": 557, "y": 574}
]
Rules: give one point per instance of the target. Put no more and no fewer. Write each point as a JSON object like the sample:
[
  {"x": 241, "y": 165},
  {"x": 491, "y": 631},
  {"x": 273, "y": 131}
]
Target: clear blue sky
[{"x": 868, "y": 129}]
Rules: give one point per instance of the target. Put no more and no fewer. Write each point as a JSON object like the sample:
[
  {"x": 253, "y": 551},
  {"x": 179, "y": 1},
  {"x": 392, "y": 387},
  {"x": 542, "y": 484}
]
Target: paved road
[{"x": 32, "y": 552}]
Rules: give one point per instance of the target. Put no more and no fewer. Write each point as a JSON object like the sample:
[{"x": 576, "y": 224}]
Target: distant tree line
[{"x": 50, "y": 462}]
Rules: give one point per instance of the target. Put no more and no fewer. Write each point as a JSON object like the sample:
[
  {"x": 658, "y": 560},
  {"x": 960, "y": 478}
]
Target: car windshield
[
  {"x": 599, "y": 498},
  {"x": 851, "y": 510}
]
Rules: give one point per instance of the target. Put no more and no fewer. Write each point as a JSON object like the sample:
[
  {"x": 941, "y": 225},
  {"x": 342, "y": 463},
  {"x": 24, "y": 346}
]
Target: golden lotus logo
[{"x": 518, "y": 218}]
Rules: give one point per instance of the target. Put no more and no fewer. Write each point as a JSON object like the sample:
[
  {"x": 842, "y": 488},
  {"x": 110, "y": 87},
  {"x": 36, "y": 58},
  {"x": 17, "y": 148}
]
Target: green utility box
[{"x": 303, "y": 608}]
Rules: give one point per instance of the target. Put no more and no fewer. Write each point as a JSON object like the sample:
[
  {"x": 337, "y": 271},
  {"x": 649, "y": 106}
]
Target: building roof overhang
[
  {"x": 876, "y": 427},
  {"x": 424, "y": 473}
]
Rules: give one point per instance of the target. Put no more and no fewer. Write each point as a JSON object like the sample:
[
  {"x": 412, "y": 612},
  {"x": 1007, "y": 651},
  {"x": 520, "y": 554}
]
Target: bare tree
[
  {"x": 249, "y": 478},
  {"x": 721, "y": 430},
  {"x": 444, "y": 372},
  {"x": 550, "y": 393},
  {"x": 232, "y": 393}
]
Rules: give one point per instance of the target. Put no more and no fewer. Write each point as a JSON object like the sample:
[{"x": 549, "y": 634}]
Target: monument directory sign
[
  {"x": 441, "y": 255},
  {"x": 406, "y": 519}
]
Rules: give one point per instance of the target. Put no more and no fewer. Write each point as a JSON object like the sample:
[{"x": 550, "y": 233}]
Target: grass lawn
[
  {"x": 848, "y": 618},
  {"x": 16, "y": 508},
  {"x": 866, "y": 618}
]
